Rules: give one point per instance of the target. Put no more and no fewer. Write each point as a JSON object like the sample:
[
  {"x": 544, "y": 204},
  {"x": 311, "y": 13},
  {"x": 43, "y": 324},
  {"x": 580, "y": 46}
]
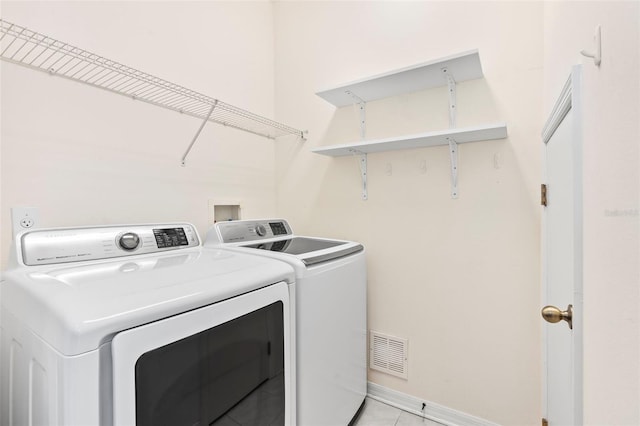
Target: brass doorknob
[{"x": 552, "y": 314}]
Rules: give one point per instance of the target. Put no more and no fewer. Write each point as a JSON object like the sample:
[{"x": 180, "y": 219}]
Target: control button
[
  {"x": 129, "y": 241},
  {"x": 261, "y": 230}
]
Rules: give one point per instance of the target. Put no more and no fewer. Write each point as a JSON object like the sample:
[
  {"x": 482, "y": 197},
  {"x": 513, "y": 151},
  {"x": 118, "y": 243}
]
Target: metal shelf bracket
[
  {"x": 195, "y": 137},
  {"x": 453, "y": 152},
  {"x": 362, "y": 106},
  {"x": 451, "y": 85},
  {"x": 363, "y": 171},
  {"x": 453, "y": 146}
]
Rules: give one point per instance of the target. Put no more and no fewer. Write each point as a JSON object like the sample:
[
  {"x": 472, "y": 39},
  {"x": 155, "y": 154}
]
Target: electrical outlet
[
  {"x": 23, "y": 218},
  {"x": 27, "y": 222}
]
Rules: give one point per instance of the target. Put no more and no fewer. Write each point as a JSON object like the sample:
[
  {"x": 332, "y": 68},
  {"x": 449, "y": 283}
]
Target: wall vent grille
[{"x": 388, "y": 354}]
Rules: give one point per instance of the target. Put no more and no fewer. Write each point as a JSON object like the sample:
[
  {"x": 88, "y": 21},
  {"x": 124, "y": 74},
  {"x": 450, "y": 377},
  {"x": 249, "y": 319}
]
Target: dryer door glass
[{"x": 230, "y": 374}]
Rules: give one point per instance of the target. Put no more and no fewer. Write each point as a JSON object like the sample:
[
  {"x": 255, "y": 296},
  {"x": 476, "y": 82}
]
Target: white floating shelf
[
  {"x": 445, "y": 71},
  {"x": 463, "y": 66},
  {"x": 420, "y": 140}
]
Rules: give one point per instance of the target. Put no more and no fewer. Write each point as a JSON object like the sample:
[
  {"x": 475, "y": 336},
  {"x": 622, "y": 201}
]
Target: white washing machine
[
  {"x": 139, "y": 325},
  {"x": 330, "y": 312}
]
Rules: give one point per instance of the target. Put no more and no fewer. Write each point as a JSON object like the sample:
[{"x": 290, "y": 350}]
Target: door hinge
[
  {"x": 545, "y": 422},
  {"x": 543, "y": 194}
]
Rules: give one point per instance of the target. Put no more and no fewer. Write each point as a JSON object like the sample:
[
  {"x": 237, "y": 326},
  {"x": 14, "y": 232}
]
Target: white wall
[
  {"x": 458, "y": 278},
  {"x": 85, "y": 156},
  {"x": 611, "y": 132}
]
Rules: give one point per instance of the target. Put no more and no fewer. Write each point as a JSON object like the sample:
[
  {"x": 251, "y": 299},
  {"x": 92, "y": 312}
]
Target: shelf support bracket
[
  {"x": 362, "y": 106},
  {"x": 363, "y": 171},
  {"x": 195, "y": 137},
  {"x": 363, "y": 120},
  {"x": 453, "y": 146},
  {"x": 451, "y": 85},
  {"x": 453, "y": 152}
]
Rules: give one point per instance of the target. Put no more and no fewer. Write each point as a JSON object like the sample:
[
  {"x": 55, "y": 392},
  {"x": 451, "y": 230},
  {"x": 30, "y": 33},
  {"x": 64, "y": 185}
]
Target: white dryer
[
  {"x": 138, "y": 325},
  {"x": 330, "y": 312}
]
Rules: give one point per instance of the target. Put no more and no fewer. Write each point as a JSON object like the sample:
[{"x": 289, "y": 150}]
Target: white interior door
[{"x": 562, "y": 258}]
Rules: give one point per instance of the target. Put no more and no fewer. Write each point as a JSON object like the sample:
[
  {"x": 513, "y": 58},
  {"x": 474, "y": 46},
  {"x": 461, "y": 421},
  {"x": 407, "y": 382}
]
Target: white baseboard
[{"x": 432, "y": 411}]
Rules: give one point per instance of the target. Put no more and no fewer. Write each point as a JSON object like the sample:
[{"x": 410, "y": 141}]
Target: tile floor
[
  {"x": 376, "y": 413},
  {"x": 261, "y": 400}
]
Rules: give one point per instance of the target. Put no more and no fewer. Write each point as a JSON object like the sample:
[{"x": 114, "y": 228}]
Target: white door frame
[{"x": 570, "y": 99}]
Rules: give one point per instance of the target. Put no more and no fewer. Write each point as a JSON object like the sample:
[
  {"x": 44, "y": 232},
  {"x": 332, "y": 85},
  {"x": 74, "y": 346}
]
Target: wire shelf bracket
[
  {"x": 195, "y": 137},
  {"x": 22, "y": 46}
]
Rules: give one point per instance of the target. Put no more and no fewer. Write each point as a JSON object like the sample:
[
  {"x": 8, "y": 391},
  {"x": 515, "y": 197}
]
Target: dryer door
[{"x": 225, "y": 363}]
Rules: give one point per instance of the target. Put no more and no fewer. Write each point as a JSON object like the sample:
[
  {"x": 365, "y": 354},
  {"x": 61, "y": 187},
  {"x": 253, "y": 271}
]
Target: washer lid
[
  {"x": 76, "y": 307},
  {"x": 297, "y": 245},
  {"x": 303, "y": 246}
]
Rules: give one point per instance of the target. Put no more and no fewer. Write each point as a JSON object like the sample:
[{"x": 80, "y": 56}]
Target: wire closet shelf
[{"x": 28, "y": 48}]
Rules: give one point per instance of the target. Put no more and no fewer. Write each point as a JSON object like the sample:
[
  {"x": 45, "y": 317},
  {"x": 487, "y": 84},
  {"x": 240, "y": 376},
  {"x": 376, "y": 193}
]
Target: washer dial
[
  {"x": 129, "y": 241},
  {"x": 261, "y": 230}
]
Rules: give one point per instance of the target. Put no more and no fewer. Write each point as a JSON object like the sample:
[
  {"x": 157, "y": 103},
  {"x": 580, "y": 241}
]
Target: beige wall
[
  {"x": 611, "y": 129},
  {"x": 458, "y": 278},
  {"x": 85, "y": 156}
]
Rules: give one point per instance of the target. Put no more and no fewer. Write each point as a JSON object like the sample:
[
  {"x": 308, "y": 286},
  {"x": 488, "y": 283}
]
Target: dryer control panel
[
  {"x": 63, "y": 245},
  {"x": 248, "y": 230}
]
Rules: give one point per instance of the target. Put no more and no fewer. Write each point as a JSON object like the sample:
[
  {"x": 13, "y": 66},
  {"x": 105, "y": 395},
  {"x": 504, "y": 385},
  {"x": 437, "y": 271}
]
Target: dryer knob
[
  {"x": 261, "y": 230},
  {"x": 129, "y": 241}
]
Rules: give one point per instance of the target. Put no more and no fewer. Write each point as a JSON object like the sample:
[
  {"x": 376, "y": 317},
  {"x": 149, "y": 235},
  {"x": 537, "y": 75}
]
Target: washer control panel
[
  {"x": 51, "y": 246},
  {"x": 171, "y": 237},
  {"x": 251, "y": 230}
]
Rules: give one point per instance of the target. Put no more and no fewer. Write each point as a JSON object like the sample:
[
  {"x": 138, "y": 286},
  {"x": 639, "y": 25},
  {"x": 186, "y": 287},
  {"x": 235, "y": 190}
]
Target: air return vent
[{"x": 388, "y": 354}]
